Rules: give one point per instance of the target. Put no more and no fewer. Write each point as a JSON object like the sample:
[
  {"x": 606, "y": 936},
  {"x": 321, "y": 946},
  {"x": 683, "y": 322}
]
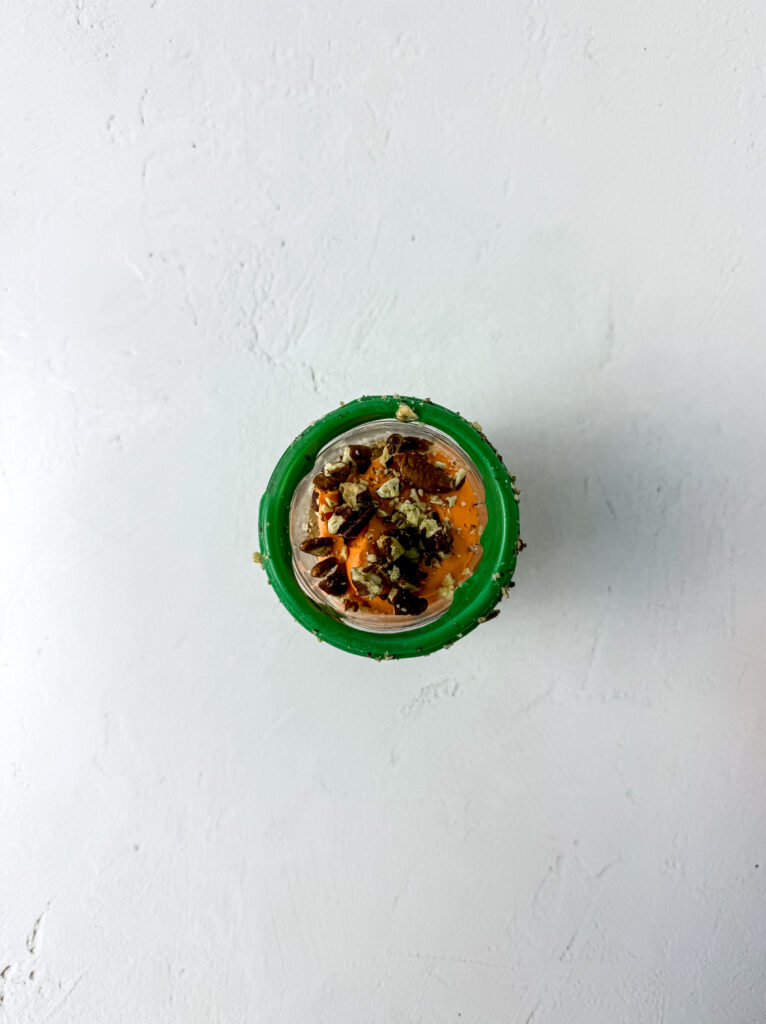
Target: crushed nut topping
[
  {"x": 396, "y": 552},
  {"x": 366, "y": 583}
]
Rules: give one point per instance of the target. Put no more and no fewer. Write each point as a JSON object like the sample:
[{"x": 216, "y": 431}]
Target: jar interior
[{"x": 371, "y": 433}]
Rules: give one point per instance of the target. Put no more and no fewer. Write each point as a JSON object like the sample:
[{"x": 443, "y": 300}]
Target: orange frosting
[{"x": 464, "y": 517}]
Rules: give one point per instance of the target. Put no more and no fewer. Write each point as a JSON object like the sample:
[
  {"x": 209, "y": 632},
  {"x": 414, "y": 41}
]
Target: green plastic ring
[{"x": 474, "y": 600}]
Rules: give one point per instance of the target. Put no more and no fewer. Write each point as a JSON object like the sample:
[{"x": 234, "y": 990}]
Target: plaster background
[{"x": 218, "y": 221}]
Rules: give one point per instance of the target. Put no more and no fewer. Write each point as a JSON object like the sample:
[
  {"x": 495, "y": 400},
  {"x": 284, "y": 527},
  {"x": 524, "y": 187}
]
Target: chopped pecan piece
[
  {"x": 331, "y": 481},
  {"x": 355, "y": 520},
  {"x": 438, "y": 544},
  {"x": 396, "y": 443},
  {"x": 319, "y": 546},
  {"x": 389, "y": 488},
  {"x": 350, "y": 492},
  {"x": 323, "y": 567},
  {"x": 366, "y": 582},
  {"x": 390, "y": 547},
  {"x": 361, "y": 456},
  {"x": 409, "y": 572}
]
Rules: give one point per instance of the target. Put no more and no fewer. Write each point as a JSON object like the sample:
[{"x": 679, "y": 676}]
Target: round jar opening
[{"x": 366, "y": 587}]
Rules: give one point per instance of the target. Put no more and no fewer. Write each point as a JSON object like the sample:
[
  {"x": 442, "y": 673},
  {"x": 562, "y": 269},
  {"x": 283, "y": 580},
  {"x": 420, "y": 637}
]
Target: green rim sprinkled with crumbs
[{"x": 474, "y": 600}]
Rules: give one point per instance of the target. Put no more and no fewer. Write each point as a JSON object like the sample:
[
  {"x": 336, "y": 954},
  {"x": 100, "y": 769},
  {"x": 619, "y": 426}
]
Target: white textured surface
[{"x": 220, "y": 219}]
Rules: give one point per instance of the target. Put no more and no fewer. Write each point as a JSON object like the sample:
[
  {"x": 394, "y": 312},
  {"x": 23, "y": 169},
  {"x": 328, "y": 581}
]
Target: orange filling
[{"x": 461, "y": 518}]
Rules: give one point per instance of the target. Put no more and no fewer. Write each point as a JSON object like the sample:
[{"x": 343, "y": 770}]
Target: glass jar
[{"x": 284, "y": 517}]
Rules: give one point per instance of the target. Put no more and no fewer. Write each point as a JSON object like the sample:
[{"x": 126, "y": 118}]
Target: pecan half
[
  {"x": 323, "y": 567},
  {"x": 396, "y": 443},
  {"x": 319, "y": 546},
  {"x": 407, "y": 603},
  {"x": 331, "y": 481},
  {"x": 417, "y": 471}
]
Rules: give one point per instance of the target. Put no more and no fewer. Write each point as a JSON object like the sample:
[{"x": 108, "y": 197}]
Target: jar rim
[{"x": 473, "y": 601}]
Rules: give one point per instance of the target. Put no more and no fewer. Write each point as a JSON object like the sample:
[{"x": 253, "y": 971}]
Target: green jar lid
[{"x": 473, "y": 601}]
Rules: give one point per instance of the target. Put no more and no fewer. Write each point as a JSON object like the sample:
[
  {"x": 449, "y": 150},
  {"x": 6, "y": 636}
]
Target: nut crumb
[
  {"x": 405, "y": 414},
  {"x": 366, "y": 582},
  {"x": 334, "y": 523},
  {"x": 258, "y": 558},
  {"x": 388, "y": 489},
  {"x": 447, "y": 589},
  {"x": 429, "y": 527}
]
